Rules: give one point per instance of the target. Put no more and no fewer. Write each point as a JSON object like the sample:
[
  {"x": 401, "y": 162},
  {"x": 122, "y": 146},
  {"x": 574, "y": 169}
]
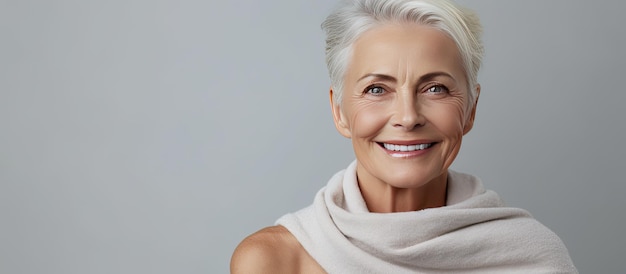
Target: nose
[{"x": 408, "y": 115}]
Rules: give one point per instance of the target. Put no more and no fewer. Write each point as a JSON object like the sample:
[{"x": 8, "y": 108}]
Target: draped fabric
[{"x": 473, "y": 233}]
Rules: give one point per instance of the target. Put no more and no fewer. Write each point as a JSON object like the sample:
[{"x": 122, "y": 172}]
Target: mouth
[
  {"x": 415, "y": 147},
  {"x": 406, "y": 149}
]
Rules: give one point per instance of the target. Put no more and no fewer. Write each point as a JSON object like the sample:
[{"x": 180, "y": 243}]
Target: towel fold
[{"x": 473, "y": 233}]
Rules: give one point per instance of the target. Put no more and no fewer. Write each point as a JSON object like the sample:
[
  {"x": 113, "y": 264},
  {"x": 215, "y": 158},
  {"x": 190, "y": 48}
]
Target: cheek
[
  {"x": 449, "y": 118},
  {"x": 367, "y": 119}
]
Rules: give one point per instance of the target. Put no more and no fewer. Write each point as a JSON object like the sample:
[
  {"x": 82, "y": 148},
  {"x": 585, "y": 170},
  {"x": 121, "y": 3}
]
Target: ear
[
  {"x": 338, "y": 117},
  {"x": 470, "y": 120}
]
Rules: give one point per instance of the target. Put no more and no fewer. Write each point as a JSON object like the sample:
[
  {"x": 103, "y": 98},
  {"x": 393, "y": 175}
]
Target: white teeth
[{"x": 406, "y": 148}]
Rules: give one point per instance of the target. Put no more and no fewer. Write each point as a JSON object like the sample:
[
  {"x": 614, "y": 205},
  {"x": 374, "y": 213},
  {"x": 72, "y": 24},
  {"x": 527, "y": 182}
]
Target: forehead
[{"x": 395, "y": 48}]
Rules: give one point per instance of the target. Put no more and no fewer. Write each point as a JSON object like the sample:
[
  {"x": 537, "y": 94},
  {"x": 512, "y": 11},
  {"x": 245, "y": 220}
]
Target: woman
[{"x": 404, "y": 91}]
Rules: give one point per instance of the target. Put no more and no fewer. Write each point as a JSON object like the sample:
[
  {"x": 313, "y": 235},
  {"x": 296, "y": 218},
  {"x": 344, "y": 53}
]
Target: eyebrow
[{"x": 390, "y": 78}]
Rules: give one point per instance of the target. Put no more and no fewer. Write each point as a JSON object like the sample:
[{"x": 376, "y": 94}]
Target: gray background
[{"x": 152, "y": 136}]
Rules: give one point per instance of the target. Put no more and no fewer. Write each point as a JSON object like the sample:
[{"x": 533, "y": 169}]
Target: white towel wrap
[{"x": 473, "y": 233}]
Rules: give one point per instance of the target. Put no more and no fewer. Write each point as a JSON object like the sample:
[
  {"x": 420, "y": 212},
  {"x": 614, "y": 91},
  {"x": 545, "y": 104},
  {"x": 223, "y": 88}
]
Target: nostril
[{"x": 410, "y": 123}]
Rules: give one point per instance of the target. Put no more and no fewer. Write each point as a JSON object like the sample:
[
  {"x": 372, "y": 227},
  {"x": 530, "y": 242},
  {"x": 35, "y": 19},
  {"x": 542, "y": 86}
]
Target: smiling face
[{"x": 404, "y": 105}]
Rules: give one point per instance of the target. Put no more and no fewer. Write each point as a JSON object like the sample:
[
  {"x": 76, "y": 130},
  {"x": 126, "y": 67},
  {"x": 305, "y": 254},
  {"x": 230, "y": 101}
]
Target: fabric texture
[{"x": 473, "y": 233}]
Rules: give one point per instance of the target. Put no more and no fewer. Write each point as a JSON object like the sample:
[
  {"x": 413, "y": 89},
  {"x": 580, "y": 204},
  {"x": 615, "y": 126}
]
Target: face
[{"x": 404, "y": 105}]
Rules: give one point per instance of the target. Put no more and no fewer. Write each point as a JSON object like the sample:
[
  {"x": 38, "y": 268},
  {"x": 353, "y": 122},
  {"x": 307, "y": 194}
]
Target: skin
[
  {"x": 272, "y": 250},
  {"x": 405, "y": 84}
]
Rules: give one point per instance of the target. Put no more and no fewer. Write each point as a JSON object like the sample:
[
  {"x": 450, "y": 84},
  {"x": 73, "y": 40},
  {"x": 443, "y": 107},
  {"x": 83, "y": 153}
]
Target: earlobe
[
  {"x": 470, "y": 121},
  {"x": 339, "y": 118}
]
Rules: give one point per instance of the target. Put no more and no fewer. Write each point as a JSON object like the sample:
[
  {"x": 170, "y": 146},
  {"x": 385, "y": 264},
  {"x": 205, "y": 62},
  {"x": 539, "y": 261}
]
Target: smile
[{"x": 392, "y": 147}]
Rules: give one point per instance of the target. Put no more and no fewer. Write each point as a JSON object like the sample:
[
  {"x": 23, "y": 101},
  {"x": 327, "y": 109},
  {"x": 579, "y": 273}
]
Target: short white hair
[{"x": 354, "y": 17}]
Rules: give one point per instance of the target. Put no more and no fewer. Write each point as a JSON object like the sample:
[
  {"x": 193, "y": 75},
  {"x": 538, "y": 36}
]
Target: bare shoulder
[{"x": 271, "y": 250}]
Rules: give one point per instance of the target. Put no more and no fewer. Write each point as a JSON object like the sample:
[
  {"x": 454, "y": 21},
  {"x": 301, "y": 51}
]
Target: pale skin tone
[{"x": 404, "y": 86}]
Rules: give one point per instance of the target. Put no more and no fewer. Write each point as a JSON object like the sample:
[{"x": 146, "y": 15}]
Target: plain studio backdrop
[{"x": 153, "y": 136}]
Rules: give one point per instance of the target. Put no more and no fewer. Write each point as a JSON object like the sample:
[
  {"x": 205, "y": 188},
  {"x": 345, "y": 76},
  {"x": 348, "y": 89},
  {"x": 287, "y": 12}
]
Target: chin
[{"x": 411, "y": 179}]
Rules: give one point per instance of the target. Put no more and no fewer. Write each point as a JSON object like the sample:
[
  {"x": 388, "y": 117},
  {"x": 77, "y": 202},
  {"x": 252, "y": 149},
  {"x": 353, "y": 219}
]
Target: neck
[{"x": 381, "y": 197}]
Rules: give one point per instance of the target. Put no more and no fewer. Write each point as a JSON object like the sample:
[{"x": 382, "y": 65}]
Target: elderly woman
[{"x": 404, "y": 90}]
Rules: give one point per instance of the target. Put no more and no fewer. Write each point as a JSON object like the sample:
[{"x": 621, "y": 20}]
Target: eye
[
  {"x": 437, "y": 89},
  {"x": 375, "y": 90}
]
